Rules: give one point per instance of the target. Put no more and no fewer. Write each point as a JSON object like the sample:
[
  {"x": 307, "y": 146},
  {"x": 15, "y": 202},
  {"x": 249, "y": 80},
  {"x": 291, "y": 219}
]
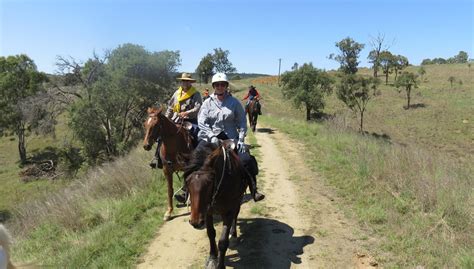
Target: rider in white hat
[{"x": 223, "y": 117}]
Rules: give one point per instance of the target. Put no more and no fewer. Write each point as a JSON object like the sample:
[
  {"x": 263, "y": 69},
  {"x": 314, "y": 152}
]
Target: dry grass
[
  {"x": 410, "y": 177},
  {"x": 66, "y": 206},
  {"x": 421, "y": 202}
]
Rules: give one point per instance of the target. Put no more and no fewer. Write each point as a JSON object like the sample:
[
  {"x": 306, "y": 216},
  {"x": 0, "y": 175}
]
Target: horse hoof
[
  {"x": 167, "y": 216},
  {"x": 233, "y": 241},
  {"x": 211, "y": 263}
]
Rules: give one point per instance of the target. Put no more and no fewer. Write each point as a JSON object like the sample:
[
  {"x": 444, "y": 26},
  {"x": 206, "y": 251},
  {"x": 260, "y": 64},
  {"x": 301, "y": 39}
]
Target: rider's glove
[
  {"x": 214, "y": 140},
  {"x": 241, "y": 147}
]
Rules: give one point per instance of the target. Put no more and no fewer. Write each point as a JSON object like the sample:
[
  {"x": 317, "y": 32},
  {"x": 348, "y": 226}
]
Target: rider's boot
[
  {"x": 156, "y": 162},
  {"x": 253, "y": 190}
]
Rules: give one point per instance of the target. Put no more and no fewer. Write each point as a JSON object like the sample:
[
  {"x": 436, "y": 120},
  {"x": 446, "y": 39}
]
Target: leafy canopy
[
  {"x": 21, "y": 104},
  {"x": 349, "y": 54},
  {"x": 307, "y": 86},
  {"x": 354, "y": 91},
  {"x": 109, "y": 122}
]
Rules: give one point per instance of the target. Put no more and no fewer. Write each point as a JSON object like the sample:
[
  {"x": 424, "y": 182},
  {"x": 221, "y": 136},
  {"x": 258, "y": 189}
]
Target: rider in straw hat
[{"x": 183, "y": 105}]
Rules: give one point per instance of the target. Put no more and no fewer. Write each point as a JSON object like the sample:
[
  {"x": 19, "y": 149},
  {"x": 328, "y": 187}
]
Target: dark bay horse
[
  {"x": 176, "y": 147},
  {"x": 253, "y": 109},
  {"x": 216, "y": 188}
]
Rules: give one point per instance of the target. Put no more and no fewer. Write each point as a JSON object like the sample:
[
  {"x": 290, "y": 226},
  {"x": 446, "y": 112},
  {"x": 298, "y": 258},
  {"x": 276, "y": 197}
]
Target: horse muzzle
[
  {"x": 147, "y": 147},
  {"x": 200, "y": 225}
]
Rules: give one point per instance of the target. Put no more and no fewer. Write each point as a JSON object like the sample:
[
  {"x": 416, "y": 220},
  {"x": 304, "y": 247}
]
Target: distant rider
[{"x": 251, "y": 94}]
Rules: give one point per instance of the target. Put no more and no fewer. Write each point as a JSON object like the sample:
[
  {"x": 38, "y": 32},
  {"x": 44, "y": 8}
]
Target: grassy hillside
[
  {"x": 102, "y": 220},
  {"x": 415, "y": 188},
  {"x": 443, "y": 120},
  {"x": 13, "y": 191}
]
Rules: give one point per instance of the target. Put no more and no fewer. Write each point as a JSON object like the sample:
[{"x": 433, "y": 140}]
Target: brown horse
[
  {"x": 216, "y": 188},
  {"x": 176, "y": 146},
  {"x": 253, "y": 109}
]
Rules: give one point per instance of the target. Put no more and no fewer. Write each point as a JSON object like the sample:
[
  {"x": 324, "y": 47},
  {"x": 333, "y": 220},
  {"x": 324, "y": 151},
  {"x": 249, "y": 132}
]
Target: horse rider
[
  {"x": 251, "y": 94},
  {"x": 183, "y": 105},
  {"x": 205, "y": 94},
  {"x": 223, "y": 117}
]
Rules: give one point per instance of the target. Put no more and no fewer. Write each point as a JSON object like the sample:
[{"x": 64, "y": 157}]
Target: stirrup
[{"x": 156, "y": 163}]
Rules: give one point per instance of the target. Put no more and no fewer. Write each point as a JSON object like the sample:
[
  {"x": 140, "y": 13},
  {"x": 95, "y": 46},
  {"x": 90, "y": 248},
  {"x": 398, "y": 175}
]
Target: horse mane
[
  {"x": 207, "y": 160},
  {"x": 198, "y": 158}
]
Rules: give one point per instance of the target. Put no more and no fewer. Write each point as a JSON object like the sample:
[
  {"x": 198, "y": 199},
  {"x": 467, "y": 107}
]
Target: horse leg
[
  {"x": 233, "y": 229},
  {"x": 169, "y": 180},
  {"x": 227, "y": 221},
  {"x": 211, "y": 262}
]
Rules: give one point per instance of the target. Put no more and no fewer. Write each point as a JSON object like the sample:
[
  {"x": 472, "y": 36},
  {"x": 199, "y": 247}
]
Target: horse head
[
  {"x": 200, "y": 185},
  {"x": 152, "y": 127}
]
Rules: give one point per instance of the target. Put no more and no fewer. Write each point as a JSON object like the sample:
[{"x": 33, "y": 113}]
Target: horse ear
[{"x": 156, "y": 108}]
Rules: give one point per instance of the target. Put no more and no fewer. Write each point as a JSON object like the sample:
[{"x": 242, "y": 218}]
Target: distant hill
[{"x": 247, "y": 75}]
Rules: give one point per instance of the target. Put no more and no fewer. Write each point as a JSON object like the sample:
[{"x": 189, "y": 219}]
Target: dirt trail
[{"x": 297, "y": 225}]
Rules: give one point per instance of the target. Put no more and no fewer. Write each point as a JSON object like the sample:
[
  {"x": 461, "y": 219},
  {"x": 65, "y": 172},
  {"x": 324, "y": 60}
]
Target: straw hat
[{"x": 186, "y": 77}]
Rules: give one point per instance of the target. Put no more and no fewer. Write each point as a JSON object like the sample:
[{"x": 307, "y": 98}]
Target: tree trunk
[
  {"x": 408, "y": 97},
  {"x": 361, "y": 121},
  {"x": 396, "y": 74},
  {"x": 21, "y": 143},
  {"x": 308, "y": 113},
  {"x": 386, "y": 78}
]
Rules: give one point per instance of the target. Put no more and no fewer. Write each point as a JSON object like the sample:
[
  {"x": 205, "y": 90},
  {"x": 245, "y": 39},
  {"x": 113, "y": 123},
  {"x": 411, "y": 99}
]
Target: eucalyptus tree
[
  {"x": 378, "y": 45},
  {"x": 461, "y": 57},
  {"x": 451, "y": 80},
  {"x": 400, "y": 62},
  {"x": 22, "y": 99},
  {"x": 408, "y": 81},
  {"x": 205, "y": 68},
  {"x": 348, "y": 55},
  {"x": 387, "y": 61},
  {"x": 354, "y": 91},
  {"x": 307, "y": 86},
  {"x": 109, "y": 121},
  {"x": 221, "y": 61},
  {"x": 421, "y": 71}
]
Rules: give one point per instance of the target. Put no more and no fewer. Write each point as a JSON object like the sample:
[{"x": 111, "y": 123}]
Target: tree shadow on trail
[
  {"x": 415, "y": 106},
  {"x": 266, "y": 243},
  {"x": 4, "y": 215},
  {"x": 265, "y": 130}
]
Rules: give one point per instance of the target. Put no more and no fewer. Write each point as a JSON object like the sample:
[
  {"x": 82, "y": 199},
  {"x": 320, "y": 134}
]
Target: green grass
[
  {"x": 115, "y": 234},
  {"x": 415, "y": 191},
  {"x": 389, "y": 195},
  {"x": 14, "y": 191},
  {"x": 258, "y": 209},
  {"x": 103, "y": 221}
]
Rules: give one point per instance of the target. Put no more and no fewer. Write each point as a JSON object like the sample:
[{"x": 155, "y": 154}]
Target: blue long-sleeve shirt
[{"x": 227, "y": 116}]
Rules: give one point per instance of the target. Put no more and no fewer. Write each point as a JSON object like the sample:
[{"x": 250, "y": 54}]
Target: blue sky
[{"x": 257, "y": 33}]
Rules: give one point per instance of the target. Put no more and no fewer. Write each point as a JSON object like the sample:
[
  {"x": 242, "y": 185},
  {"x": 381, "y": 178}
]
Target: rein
[{"x": 216, "y": 190}]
